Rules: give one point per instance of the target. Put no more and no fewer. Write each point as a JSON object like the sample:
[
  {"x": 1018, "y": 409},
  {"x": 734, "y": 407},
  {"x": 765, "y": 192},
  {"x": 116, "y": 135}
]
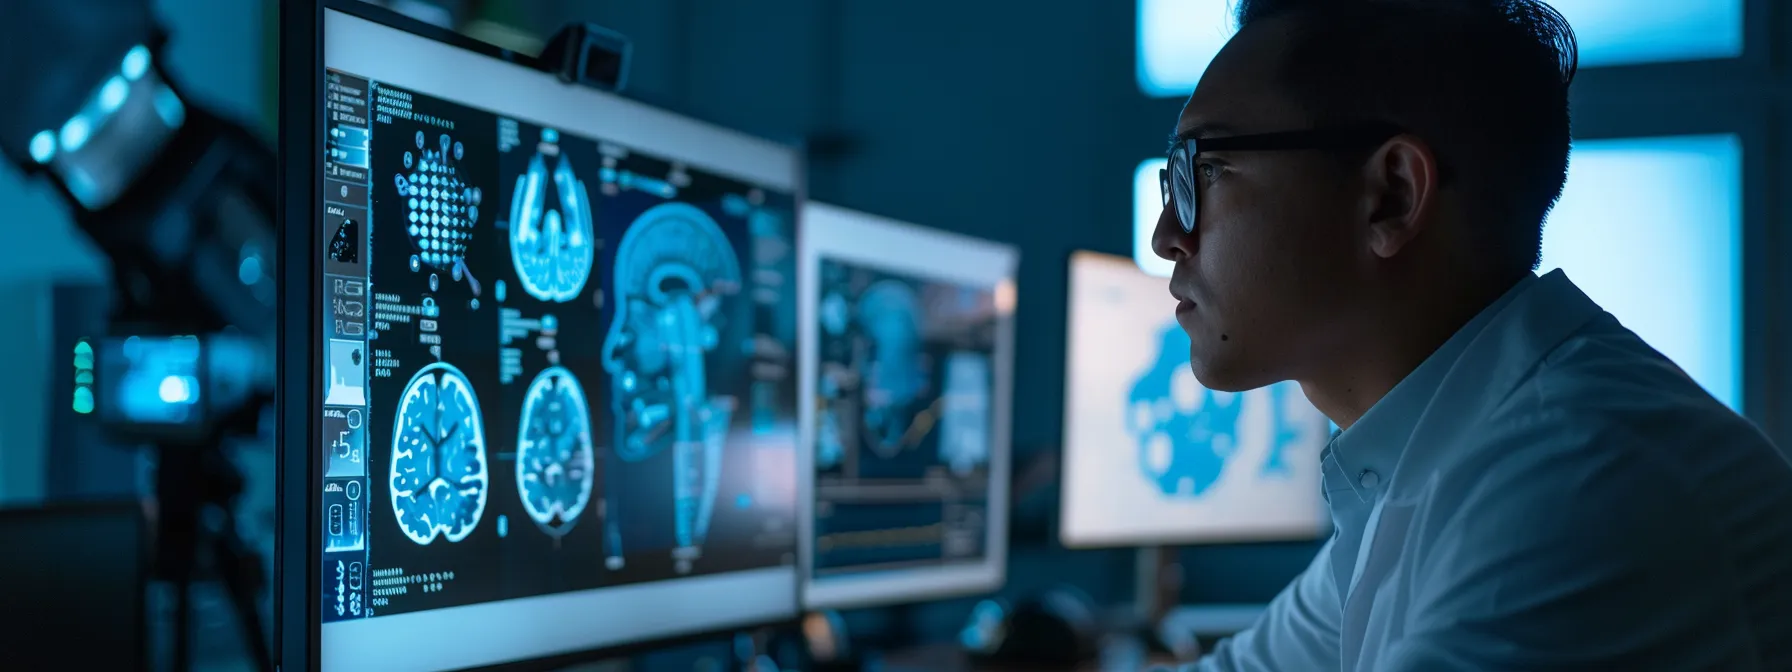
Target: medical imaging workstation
[{"x": 540, "y": 341}]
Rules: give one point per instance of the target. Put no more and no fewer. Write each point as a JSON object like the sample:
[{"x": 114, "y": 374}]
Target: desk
[{"x": 1117, "y": 655}]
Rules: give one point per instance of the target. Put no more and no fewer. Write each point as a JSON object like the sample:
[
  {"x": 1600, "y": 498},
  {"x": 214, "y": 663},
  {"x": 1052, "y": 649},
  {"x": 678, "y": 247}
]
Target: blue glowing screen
[{"x": 1651, "y": 229}]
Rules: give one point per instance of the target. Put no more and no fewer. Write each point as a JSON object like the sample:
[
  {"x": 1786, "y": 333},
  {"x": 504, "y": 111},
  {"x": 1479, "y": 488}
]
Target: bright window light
[
  {"x": 1177, "y": 39},
  {"x": 1147, "y": 204},
  {"x": 1651, "y": 229},
  {"x": 1619, "y": 32}
]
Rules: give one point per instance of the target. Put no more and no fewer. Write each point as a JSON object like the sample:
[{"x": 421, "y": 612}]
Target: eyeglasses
[{"x": 1177, "y": 180}]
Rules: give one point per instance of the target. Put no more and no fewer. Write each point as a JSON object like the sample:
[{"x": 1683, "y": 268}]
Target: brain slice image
[
  {"x": 554, "y": 458},
  {"x": 438, "y": 456},
  {"x": 551, "y": 243},
  {"x": 1185, "y": 432},
  {"x": 440, "y": 209},
  {"x": 890, "y": 314},
  {"x": 674, "y": 268}
]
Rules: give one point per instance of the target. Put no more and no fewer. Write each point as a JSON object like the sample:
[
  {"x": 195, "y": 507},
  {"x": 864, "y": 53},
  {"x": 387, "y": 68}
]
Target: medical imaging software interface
[
  {"x": 904, "y": 387},
  {"x": 552, "y": 363}
]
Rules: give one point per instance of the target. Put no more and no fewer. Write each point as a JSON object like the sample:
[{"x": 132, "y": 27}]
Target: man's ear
[{"x": 1402, "y": 179}]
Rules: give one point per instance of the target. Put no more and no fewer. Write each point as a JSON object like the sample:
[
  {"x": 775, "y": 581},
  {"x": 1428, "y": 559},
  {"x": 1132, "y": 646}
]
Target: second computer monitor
[
  {"x": 1153, "y": 458},
  {"x": 906, "y": 351}
]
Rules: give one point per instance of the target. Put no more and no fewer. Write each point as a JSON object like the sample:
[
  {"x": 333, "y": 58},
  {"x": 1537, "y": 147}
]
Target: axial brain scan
[
  {"x": 553, "y": 451},
  {"x": 439, "y": 473},
  {"x": 551, "y": 241},
  {"x": 673, "y": 269}
]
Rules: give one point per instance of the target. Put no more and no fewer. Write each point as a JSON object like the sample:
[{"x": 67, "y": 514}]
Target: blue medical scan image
[
  {"x": 674, "y": 269},
  {"x": 555, "y": 461},
  {"x": 1186, "y": 435},
  {"x": 904, "y": 421},
  {"x": 441, "y": 209},
  {"x": 551, "y": 236},
  {"x": 578, "y": 366},
  {"x": 698, "y": 366},
  {"x": 438, "y": 468}
]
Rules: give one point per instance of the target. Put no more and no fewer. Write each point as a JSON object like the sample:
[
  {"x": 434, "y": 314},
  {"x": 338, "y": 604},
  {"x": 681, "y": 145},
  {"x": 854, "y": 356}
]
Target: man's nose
[{"x": 1168, "y": 240}]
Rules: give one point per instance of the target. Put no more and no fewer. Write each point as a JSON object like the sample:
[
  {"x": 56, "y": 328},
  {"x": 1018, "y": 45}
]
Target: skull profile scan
[{"x": 673, "y": 271}]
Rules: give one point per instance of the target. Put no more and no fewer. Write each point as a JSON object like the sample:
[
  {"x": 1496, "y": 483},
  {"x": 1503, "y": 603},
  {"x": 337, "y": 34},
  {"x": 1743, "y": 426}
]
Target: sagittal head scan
[
  {"x": 889, "y": 313},
  {"x": 551, "y": 239},
  {"x": 438, "y": 472},
  {"x": 554, "y": 473},
  {"x": 674, "y": 269}
]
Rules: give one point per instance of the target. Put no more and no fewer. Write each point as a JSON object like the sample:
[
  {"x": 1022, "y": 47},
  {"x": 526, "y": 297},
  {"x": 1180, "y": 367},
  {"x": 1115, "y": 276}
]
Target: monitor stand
[
  {"x": 1157, "y": 591},
  {"x": 1170, "y": 628}
]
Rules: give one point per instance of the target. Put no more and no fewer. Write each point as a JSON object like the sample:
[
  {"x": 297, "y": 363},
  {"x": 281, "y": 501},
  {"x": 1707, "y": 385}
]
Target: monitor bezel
[
  {"x": 1065, "y": 536},
  {"x": 297, "y": 627},
  {"x": 936, "y": 255}
]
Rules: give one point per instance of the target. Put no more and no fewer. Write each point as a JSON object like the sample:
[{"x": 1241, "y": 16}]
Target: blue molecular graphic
[
  {"x": 1197, "y": 442},
  {"x": 890, "y": 314},
  {"x": 551, "y": 243},
  {"x": 1283, "y": 398},
  {"x": 554, "y": 459},
  {"x": 438, "y": 473},
  {"x": 674, "y": 267},
  {"x": 1184, "y": 447},
  {"x": 440, "y": 210},
  {"x": 965, "y": 421}
]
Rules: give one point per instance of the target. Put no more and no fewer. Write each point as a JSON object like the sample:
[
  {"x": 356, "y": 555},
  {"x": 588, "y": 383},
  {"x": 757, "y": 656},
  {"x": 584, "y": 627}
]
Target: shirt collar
[{"x": 1368, "y": 452}]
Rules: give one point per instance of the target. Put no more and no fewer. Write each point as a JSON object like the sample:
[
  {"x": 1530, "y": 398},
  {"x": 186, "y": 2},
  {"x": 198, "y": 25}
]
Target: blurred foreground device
[
  {"x": 180, "y": 201},
  {"x": 74, "y": 586},
  {"x": 538, "y": 355}
]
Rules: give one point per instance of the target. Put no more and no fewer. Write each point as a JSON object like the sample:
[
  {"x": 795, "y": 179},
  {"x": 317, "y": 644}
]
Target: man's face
[{"x": 1265, "y": 272}]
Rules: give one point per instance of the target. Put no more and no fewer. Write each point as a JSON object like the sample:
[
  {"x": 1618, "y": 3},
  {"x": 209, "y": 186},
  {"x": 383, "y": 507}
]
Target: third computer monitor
[
  {"x": 906, "y": 351},
  {"x": 1153, "y": 458}
]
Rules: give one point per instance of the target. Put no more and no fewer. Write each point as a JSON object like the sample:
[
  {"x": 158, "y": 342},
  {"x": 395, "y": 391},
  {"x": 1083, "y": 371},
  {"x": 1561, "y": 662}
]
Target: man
[{"x": 1354, "y": 201}]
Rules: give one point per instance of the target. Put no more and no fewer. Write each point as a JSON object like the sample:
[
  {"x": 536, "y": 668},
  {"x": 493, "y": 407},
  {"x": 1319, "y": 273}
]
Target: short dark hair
[{"x": 1483, "y": 82}]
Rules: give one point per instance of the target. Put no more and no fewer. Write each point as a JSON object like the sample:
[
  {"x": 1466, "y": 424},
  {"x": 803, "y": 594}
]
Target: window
[
  {"x": 1651, "y": 229},
  {"x": 1178, "y": 38},
  {"x": 1147, "y": 204},
  {"x": 1619, "y": 32}
]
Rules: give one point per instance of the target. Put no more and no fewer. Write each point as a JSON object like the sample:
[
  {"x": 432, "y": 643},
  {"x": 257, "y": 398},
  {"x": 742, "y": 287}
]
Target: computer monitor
[
  {"x": 1152, "y": 458},
  {"x": 538, "y": 359},
  {"x": 907, "y": 352}
]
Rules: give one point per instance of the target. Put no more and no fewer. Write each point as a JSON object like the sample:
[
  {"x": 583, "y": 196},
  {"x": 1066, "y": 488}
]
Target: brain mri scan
[
  {"x": 551, "y": 239},
  {"x": 1185, "y": 432},
  {"x": 890, "y": 314},
  {"x": 440, "y": 209},
  {"x": 439, "y": 474},
  {"x": 554, "y": 472},
  {"x": 674, "y": 268}
]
